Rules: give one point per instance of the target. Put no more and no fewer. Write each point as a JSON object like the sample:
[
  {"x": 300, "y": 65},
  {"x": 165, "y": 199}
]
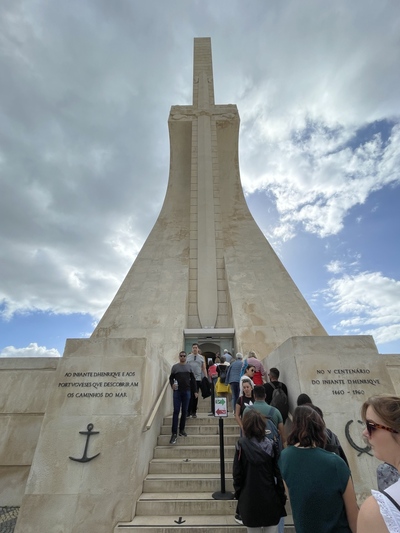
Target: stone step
[
  {"x": 181, "y": 451},
  {"x": 183, "y": 504},
  {"x": 169, "y": 524},
  {"x": 203, "y": 419},
  {"x": 204, "y": 429},
  {"x": 177, "y": 492},
  {"x": 199, "y": 440},
  {"x": 194, "y": 466},
  {"x": 196, "y": 524},
  {"x": 186, "y": 483}
]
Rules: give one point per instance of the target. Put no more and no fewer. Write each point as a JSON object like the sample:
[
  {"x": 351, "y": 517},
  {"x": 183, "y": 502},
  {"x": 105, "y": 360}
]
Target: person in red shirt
[{"x": 258, "y": 378}]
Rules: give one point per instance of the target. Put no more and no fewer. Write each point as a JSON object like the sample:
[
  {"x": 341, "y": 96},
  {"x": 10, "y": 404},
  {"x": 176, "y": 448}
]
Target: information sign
[{"x": 221, "y": 408}]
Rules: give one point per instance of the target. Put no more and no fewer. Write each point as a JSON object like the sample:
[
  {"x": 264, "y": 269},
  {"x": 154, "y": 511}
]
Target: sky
[{"x": 85, "y": 93}]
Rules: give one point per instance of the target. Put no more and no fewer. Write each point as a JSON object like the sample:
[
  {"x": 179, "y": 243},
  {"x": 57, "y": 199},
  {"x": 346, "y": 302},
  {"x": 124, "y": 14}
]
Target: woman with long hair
[
  {"x": 380, "y": 513},
  {"x": 247, "y": 398},
  {"x": 256, "y": 478},
  {"x": 320, "y": 487}
]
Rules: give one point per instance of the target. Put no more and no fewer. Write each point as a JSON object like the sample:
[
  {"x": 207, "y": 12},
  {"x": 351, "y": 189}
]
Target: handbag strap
[{"x": 391, "y": 499}]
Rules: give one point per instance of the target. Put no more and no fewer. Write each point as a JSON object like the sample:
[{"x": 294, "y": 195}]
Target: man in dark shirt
[
  {"x": 183, "y": 384},
  {"x": 271, "y": 386}
]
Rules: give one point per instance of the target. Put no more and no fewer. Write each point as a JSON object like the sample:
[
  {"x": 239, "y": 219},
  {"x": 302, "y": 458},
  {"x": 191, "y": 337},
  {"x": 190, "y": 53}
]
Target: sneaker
[
  {"x": 238, "y": 519},
  {"x": 182, "y": 434},
  {"x": 194, "y": 416},
  {"x": 173, "y": 439}
]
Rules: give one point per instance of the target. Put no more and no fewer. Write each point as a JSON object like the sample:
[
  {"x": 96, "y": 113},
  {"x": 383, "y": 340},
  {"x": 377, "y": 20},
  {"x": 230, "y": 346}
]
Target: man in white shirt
[{"x": 198, "y": 366}]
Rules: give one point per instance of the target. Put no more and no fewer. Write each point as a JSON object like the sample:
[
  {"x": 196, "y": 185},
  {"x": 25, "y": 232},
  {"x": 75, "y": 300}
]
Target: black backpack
[
  {"x": 280, "y": 400},
  {"x": 223, "y": 369}
]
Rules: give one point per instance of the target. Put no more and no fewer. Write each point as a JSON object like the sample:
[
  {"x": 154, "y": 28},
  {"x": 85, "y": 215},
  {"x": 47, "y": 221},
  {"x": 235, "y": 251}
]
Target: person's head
[
  {"x": 308, "y": 428},
  {"x": 182, "y": 357},
  {"x": 222, "y": 359},
  {"x": 273, "y": 374},
  {"x": 381, "y": 415},
  {"x": 252, "y": 354},
  {"x": 303, "y": 399},
  {"x": 217, "y": 359},
  {"x": 250, "y": 369},
  {"x": 247, "y": 388},
  {"x": 225, "y": 351},
  {"x": 319, "y": 411},
  {"x": 259, "y": 392},
  {"x": 239, "y": 356},
  {"x": 209, "y": 361},
  {"x": 254, "y": 425},
  {"x": 195, "y": 348}
]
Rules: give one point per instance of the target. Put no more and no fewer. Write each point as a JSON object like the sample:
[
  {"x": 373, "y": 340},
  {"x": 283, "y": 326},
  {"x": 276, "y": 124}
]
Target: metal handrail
[{"x": 156, "y": 407}]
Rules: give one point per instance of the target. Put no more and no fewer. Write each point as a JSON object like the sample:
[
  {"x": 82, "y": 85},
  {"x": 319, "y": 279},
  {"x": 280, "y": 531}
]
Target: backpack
[
  {"x": 280, "y": 401},
  {"x": 222, "y": 372},
  {"x": 271, "y": 431}
]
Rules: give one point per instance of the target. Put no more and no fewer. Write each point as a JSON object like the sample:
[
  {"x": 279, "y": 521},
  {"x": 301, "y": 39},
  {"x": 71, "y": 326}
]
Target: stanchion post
[{"x": 222, "y": 494}]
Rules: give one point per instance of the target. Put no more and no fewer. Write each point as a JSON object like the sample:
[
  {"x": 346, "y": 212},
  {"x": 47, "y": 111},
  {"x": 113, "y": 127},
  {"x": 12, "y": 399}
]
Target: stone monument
[{"x": 206, "y": 273}]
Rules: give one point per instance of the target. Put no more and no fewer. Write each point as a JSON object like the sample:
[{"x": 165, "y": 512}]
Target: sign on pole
[{"x": 221, "y": 408}]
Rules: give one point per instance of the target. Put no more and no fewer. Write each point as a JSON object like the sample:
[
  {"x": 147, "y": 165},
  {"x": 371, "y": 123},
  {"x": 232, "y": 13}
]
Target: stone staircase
[{"x": 177, "y": 492}]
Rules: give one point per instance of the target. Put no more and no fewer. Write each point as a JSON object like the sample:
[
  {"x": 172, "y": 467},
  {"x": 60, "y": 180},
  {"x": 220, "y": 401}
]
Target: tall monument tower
[{"x": 206, "y": 269}]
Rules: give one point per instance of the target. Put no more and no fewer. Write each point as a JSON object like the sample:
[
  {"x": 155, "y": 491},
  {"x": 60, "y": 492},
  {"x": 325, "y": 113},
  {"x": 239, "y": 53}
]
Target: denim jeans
[
  {"x": 212, "y": 386},
  {"x": 193, "y": 400},
  {"x": 181, "y": 401},
  {"x": 235, "y": 394}
]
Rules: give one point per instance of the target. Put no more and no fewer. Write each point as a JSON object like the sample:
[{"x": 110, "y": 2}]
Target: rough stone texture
[
  {"x": 339, "y": 374},
  {"x": 25, "y": 386},
  {"x": 112, "y": 384},
  {"x": 12, "y": 484}
]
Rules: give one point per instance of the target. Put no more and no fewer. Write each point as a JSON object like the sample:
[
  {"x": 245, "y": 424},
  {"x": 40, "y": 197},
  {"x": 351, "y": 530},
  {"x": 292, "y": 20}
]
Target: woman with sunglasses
[
  {"x": 247, "y": 375},
  {"x": 320, "y": 487},
  {"x": 380, "y": 513}
]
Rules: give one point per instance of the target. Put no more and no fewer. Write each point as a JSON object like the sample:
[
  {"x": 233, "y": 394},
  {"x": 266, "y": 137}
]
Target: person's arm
[
  {"x": 237, "y": 471},
  {"x": 171, "y": 379},
  {"x": 370, "y": 519},
  {"x": 203, "y": 368},
  {"x": 281, "y": 430},
  {"x": 193, "y": 384},
  {"x": 237, "y": 415},
  {"x": 350, "y": 504}
]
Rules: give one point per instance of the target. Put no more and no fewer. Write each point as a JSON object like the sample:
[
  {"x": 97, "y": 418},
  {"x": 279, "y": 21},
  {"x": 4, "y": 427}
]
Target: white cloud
[
  {"x": 317, "y": 181},
  {"x": 33, "y": 350},
  {"x": 369, "y": 301},
  {"x": 84, "y": 101},
  {"x": 335, "y": 267}
]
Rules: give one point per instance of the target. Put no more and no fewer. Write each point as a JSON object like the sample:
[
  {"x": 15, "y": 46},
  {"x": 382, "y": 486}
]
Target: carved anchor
[
  {"x": 88, "y": 433},
  {"x": 353, "y": 444}
]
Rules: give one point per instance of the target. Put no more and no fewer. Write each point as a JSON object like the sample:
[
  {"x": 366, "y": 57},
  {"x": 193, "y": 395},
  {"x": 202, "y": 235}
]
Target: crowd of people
[{"x": 308, "y": 466}]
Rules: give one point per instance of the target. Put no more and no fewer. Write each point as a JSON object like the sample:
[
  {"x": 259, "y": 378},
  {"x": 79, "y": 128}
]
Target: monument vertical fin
[{"x": 207, "y": 290}]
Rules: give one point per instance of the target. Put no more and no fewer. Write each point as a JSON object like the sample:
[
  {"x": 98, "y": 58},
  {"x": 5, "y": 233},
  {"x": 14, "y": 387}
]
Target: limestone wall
[
  {"x": 112, "y": 385},
  {"x": 339, "y": 374},
  {"x": 25, "y": 386}
]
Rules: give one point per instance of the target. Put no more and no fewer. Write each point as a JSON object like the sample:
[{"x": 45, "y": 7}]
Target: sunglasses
[
  {"x": 373, "y": 426},
  {"x": 182, "y": 355}
]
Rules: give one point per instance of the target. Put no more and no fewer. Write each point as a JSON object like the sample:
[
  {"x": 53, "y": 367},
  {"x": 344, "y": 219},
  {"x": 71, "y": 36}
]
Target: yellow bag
[{"x": 222, "y": 388}]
